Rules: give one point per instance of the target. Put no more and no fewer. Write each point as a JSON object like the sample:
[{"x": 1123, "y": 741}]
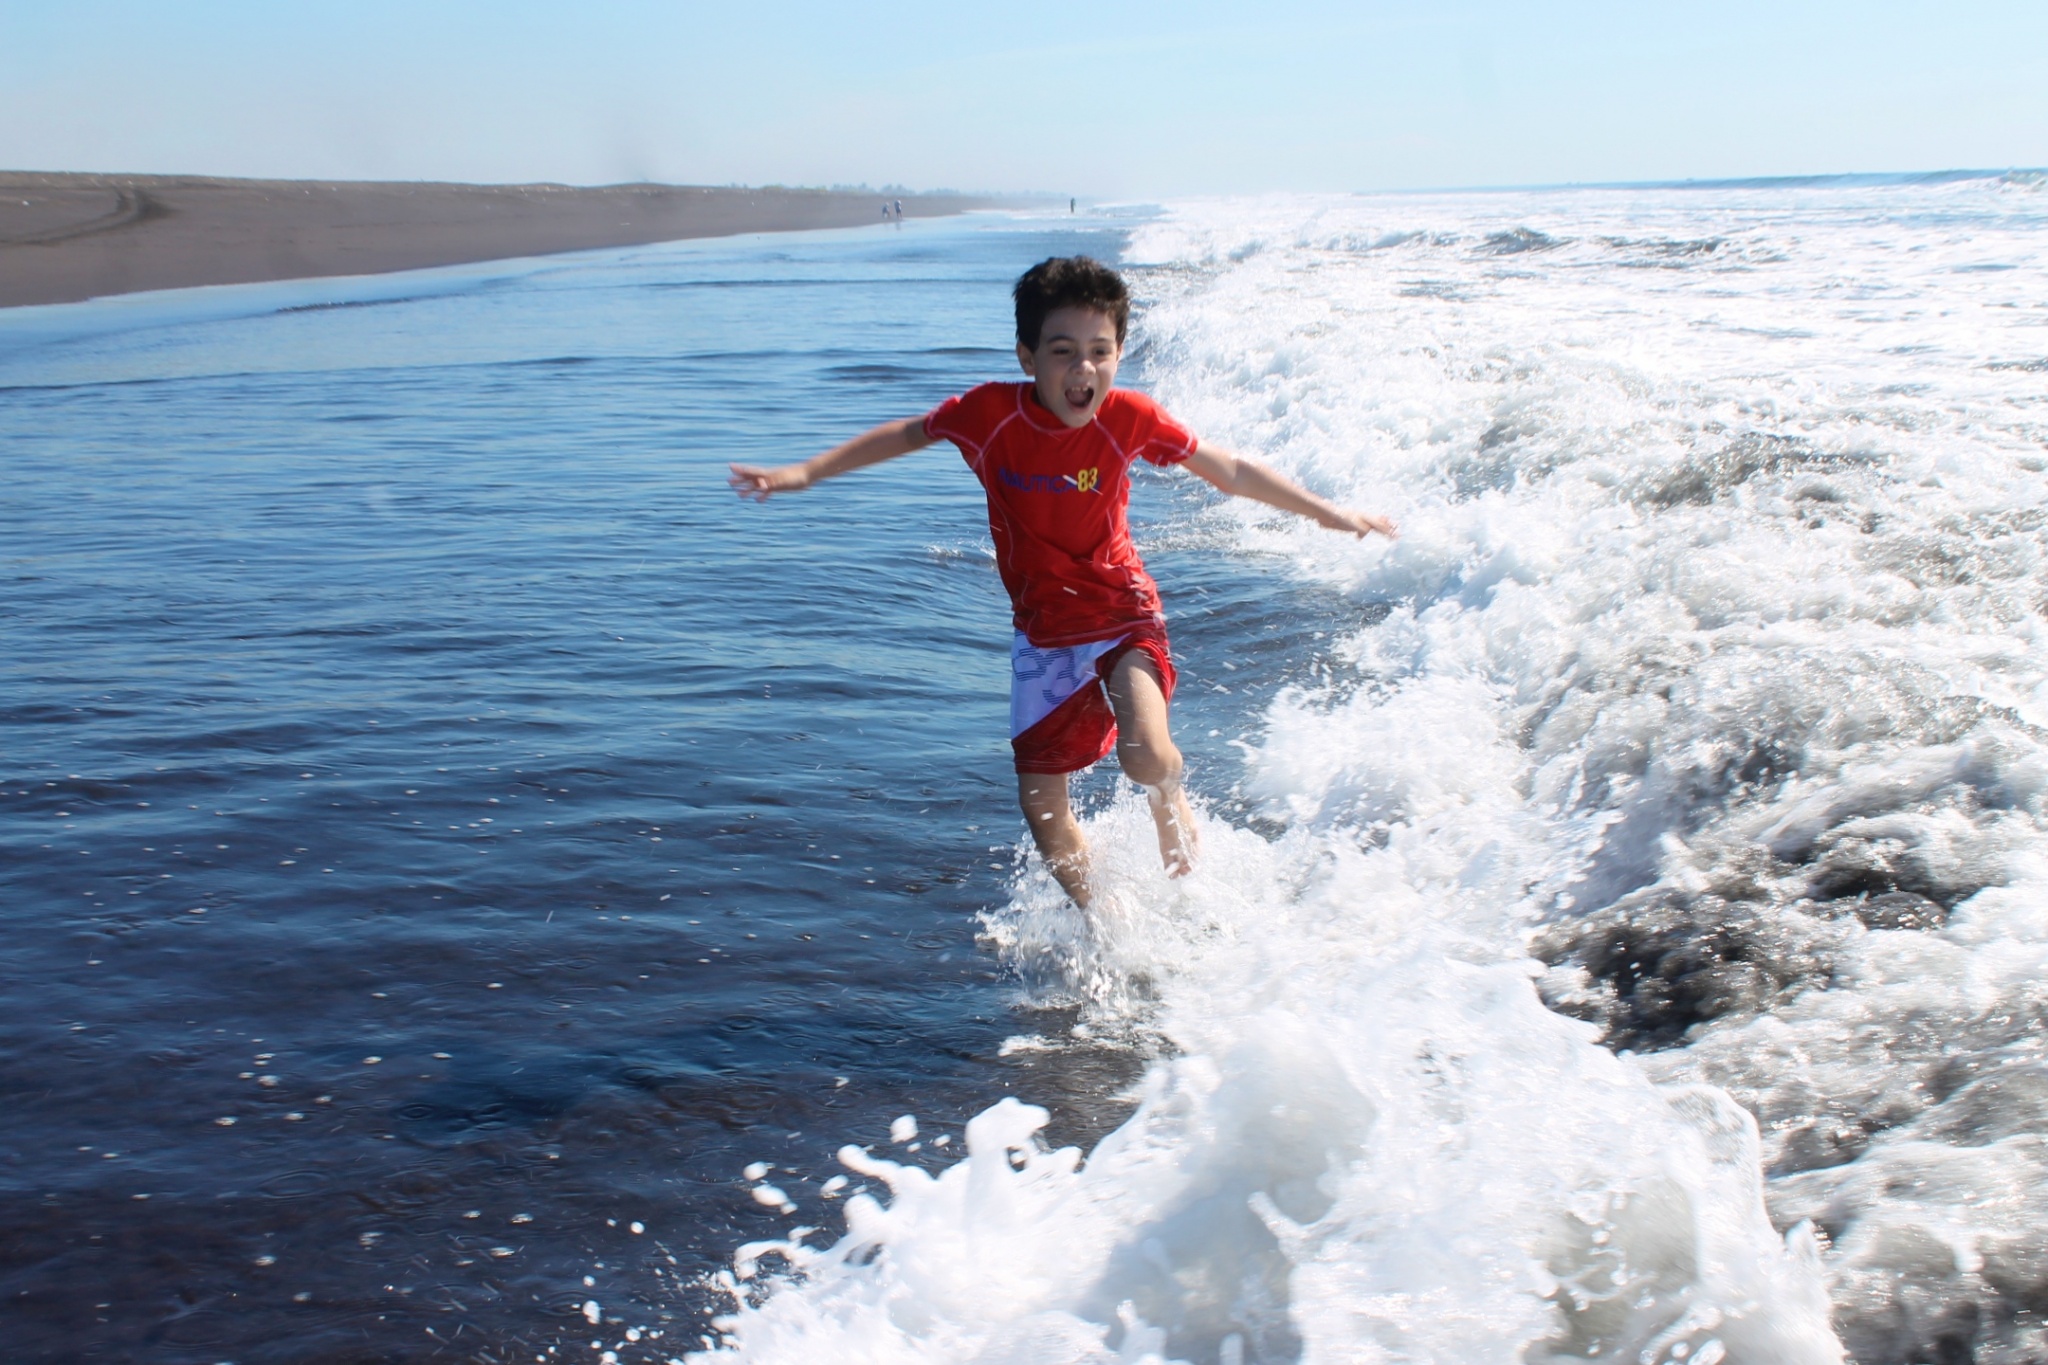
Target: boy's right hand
[
  {"x": 751, "y": 481},
  {"x": 885, "y": 442}
]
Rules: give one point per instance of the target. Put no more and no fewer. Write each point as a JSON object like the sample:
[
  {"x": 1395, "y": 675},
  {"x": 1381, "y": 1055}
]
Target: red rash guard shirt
[{"x": 1056, "y": 504}]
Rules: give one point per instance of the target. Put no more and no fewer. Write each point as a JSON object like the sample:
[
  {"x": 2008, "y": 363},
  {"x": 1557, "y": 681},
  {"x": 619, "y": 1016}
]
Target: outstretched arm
[
  {"x": 885, "y": 442},
  {"x": 1245, "y": 478}
]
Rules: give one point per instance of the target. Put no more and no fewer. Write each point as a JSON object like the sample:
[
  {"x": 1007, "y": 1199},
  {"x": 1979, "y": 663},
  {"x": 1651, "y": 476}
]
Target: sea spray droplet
[
  {"x": 903, "y": 1129},
  {"x": 592, "y": 1314}
]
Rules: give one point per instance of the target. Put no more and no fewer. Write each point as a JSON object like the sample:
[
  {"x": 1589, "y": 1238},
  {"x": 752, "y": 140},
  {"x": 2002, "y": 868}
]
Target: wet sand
[{"x": 66, "y": 237}]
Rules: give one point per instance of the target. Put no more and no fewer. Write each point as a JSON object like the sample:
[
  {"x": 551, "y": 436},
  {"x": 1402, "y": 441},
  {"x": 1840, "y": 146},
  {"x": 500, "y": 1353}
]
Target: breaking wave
[{"x": 1644, "y": 955}]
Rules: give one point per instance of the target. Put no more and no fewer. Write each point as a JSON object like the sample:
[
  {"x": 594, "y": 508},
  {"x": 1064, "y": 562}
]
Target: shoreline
[{"x": 67, "y": 237}]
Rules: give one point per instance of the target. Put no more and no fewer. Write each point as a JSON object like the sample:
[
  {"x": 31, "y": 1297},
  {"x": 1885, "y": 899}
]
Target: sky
[{"x": 1086, "y": 97}]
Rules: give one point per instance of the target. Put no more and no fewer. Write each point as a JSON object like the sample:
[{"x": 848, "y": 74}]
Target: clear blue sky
[{"x": 1102, "y": 98}]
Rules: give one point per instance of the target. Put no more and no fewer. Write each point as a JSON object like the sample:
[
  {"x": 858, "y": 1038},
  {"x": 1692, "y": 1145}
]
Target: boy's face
[{"x": 1075, "y": 362}]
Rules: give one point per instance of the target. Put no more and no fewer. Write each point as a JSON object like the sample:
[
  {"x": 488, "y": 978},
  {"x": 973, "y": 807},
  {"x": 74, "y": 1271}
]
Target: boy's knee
[
  {"x": 1041, "y": 804},
  {"x": 1149, "y": 765}
]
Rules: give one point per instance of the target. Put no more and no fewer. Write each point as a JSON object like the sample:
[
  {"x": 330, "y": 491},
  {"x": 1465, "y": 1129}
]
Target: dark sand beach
[{"x": 66, "y": 237}]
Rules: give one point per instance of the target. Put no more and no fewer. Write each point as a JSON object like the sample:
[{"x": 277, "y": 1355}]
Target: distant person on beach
[{"x": 1089, "y": 662}]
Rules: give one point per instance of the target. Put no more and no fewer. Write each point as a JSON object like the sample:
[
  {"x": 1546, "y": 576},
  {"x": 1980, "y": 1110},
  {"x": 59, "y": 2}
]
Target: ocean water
[
  {"x": 441, "y": 827},
  {"x": 476, "y": 891}
]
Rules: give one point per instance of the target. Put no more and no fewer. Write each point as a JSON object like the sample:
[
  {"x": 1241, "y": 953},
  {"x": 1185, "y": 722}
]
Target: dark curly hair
[{"x": 1068, "y": 282}]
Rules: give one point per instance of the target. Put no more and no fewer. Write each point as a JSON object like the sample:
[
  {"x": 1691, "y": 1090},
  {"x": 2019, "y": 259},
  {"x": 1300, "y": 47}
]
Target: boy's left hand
[
  {"x": 1360, "y": 524},
  {"x": 1244, "y": 478}
]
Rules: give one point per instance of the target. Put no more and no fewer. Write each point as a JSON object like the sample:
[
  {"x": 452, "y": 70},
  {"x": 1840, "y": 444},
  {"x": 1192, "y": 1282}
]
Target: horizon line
[
  {"x": 1800, "y": 181},
  {"x": 1825, "y": 178}
]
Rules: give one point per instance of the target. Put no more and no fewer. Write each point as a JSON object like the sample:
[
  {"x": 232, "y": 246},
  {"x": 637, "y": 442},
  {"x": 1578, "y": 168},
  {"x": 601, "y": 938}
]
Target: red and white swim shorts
[{"x": 1060, "y": 716}]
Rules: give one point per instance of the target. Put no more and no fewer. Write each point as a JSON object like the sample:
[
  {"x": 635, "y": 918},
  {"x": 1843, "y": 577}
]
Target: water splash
[{"x": 1712, "y": 676}]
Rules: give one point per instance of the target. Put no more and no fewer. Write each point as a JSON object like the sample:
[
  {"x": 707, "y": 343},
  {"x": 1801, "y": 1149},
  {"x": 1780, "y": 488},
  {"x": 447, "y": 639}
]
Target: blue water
[
  {"x": 459, "y": 865},
  {"x": 441, "y": 827}
]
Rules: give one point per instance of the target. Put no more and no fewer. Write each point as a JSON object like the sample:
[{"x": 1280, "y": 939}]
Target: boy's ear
[{"x": 1027, "y": 360}]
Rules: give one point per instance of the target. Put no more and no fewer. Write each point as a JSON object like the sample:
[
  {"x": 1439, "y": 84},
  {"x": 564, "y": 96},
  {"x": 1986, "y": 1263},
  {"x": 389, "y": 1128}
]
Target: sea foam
[{"x": 1649, "y": 964}]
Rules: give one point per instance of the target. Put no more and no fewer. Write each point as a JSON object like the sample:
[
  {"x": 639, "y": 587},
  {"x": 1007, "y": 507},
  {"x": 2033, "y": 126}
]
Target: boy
[{"x": 1054, "y": 456}]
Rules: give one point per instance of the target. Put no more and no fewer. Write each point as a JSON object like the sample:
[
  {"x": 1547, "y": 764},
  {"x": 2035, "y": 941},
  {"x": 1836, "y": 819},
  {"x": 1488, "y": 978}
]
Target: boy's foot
[{"x": 1180, "y": 843}]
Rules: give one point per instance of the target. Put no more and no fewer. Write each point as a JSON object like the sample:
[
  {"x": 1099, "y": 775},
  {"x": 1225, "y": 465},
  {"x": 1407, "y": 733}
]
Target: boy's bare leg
[
  {"x": 1149, "y": 757},
  {"x": 1055, "y": 830}
]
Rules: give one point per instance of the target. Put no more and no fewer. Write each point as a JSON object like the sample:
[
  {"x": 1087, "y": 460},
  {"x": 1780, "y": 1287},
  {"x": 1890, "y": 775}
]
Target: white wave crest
[{"x": 1713, "y": 675}]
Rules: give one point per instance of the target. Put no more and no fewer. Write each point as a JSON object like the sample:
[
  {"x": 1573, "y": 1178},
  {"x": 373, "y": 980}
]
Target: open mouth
[{"x": 1079, "y": 399}]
